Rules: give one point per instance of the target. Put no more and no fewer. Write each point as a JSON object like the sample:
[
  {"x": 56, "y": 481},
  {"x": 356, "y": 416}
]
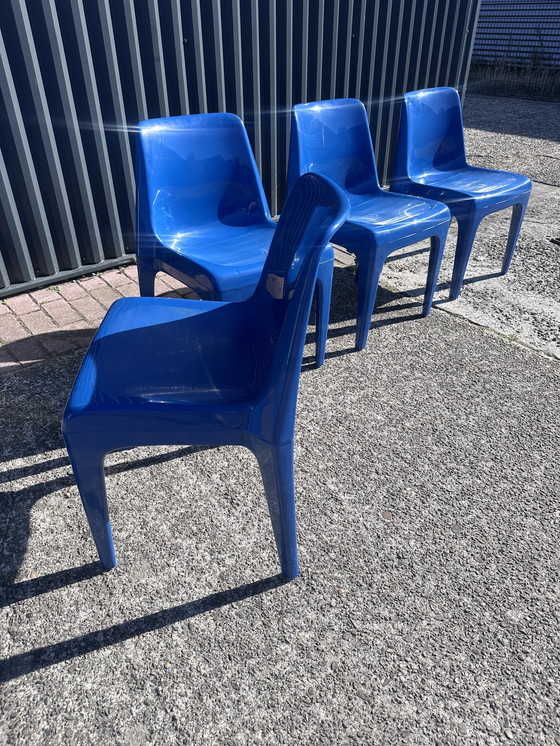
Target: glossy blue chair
[
  {"x": 431, "y": 162},
  {"x": 174, "y": 371},
  {"x": 202, "y": 215},
  {"x": 333, "y": 138}
]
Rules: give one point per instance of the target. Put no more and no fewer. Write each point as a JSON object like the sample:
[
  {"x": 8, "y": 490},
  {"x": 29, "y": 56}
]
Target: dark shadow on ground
[
  {"x": 40, "y": 347},
  {"x": 513, "y": 116},
  {"x": 49, "y": 655}
]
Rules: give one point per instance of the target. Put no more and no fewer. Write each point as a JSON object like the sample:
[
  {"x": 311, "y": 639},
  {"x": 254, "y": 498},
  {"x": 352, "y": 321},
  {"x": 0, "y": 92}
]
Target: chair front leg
[
  {"x": 467, "y": 227},
  {"x": 87, "y": 464},
  {"x": 370, "y": 264},
  {"x": 323, "y": 292},
  {"x": 437, "y": 246},
  {"x": 277, "y": 469},
  {"x": 517, "y": 215}
]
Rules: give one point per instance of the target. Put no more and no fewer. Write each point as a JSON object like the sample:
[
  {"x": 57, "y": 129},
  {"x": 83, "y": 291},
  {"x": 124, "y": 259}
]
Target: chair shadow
[
  {"x": 22, "y": 502},
  {"x": 49, "y": 344},
  {"x": 49, "y": 655},
  {"x": 344, "y": 308}
]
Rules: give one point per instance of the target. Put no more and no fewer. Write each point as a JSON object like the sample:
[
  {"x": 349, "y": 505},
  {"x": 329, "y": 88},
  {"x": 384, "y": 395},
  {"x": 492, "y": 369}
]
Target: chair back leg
[
  {"x": 517, "y": 215},
  {"x": 277, "y": 469},
  {"x": 323, "y": 292},
  {"x": 146, "y": 277},
  {"x": 87, "y": 464}
]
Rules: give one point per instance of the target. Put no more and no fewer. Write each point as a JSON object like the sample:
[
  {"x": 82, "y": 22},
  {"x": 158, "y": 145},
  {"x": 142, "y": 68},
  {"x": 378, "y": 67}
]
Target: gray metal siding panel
[{"x": 77, "y": 77}]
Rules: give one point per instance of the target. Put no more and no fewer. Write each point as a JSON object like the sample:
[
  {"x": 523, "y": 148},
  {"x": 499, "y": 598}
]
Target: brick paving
[{"x": 51, "y": 321}]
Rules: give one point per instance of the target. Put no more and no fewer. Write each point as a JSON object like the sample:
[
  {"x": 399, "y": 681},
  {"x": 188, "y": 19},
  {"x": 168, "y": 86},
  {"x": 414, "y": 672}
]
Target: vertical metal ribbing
[
  {"x": 452, "y": 42},
  {"x": 441, "y": 46},
  {"x": 384, "y": 176},
  {"x": 198, "y": 44},
  {"x": 289, "y": 66},
  {"x": 46, "y": 133},
  {"x": 256, "y": 81},
  {"x": 418, "y": 69},
  {"x": 118, "y": 106},
  {"x": 320, "y": 43},
  {"x": 157, "y": 53},
  {"x": 348, "y": 49},
  {"x": 371, "y": 79},
  {"x": 179, "y": 50},
  {"x": 386, "y": 39},
  {"x": 238, "y": 59},
  {"x": 334, "y": 47},
  {"x": 96, "y": 119},
  {"x": 410, "y": 37},
  {"x": 304, "y": 48},
  {"x": 431, "y": 46},
  {"x": 273, "y": 114},
  {"x": 73, "y": 129},
  {"x": 4, "y": 277},
  {"x": 465, "y": 38},
  {"x": 361, "y": 44},
  {"x": 135, "y": 59},
  {"x": 219, "y": 55},
  {"x": 468, "y": 43},
  {"x": 19, "y": 134},
  {"x": 20, "y": 257}
]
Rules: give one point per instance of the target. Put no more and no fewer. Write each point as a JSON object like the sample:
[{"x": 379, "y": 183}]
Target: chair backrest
[
  {"x": 280, "y": 305},
  {"x": 333, "y": 138},
  {"x": 195, "y": 171},
  {"x": 431, "y": 134}
]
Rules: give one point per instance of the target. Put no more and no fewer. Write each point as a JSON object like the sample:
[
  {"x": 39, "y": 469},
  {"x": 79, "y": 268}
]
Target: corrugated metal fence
[{"x": 76, "y": 76}]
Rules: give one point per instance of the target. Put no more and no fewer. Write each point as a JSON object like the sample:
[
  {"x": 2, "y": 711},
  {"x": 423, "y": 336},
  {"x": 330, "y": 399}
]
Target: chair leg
[
  {"x": 87, "y": 464},
  {"x": 368, "y": 281},
  {"x": 517, "y": 216},
  {"x": 323, "y": 290},
  {"x": 146, "y": 277},
  {"x": 437, "y": 245},
  {"x": 277, "y": 469},
  {"x": 467, "y": 227}
]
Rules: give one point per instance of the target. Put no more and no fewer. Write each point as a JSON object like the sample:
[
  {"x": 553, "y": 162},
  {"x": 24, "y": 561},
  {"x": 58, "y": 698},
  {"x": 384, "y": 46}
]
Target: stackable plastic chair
[
  {"x": 202, "y": 215},
  {"x": 431, "y": 162},
  {"x": 333, "y": 138},
  {"x": 173, "y": 371}
]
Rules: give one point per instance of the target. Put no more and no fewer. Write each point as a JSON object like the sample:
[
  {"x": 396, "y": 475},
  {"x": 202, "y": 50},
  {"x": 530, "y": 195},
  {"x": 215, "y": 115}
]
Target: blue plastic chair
[
  {"x": 431, "y": 162},
  {"x": 202, "y": 215},
  {"x": 174, "y": 371},
  {"x": 333, "y": 138}
]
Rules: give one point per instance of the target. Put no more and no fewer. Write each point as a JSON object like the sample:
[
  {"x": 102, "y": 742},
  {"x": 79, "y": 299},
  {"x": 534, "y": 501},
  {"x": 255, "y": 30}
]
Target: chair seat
[
  {"x": 152, "y": 352},
  {"x": 484, "y": 185},
  {"x": 233, "y": 257},
  {"x": 398, "y": 216}
]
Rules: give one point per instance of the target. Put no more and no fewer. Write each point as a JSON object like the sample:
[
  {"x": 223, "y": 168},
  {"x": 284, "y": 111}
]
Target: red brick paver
[
  {"x": 62, "y": 312},
  {"x": 11, "y": 329},
  {"x": 72, "y": 290},
  {"x": 55, "y": 320},
  {"x": 38, "y": 322},
  {"x": 21, "y": 304}
]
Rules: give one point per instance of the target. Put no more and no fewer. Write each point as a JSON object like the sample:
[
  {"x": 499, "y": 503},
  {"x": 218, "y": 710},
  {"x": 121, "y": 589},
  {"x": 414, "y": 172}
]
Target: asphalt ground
[{"x": 427, "y": 478}]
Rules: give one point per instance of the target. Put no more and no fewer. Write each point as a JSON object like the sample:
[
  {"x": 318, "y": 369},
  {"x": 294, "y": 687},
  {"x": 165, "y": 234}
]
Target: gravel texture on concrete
[
  {"x": 427, "y": 611},
  {"x": 524, "y": 305}
]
